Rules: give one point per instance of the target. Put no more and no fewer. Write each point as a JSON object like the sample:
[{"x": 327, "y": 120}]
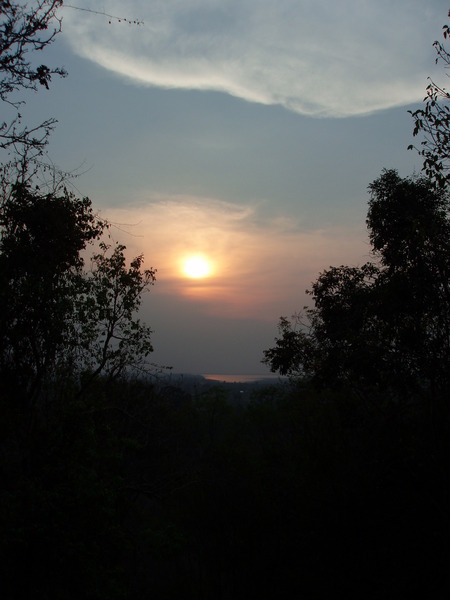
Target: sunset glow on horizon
[{"x": 227, "y": 258}]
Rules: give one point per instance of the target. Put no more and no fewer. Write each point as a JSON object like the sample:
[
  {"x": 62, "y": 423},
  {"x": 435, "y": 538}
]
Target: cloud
[
  {"x": 261, "y": 266},
  {"x": 315, "y": 57}
]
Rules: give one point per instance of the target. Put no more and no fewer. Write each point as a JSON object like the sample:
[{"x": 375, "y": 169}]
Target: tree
[
  {"x": 40, "y": 266},
  {"x": 111, "y": 339},
  {"x": 24, "y": 29},
  {"x": 433, "y": 122},
  {"x": 46, "y": 327},
  {"x": 27, "y": 29},
  {"x": 294, "y": 349},
  {"x": 384, "y": 326},
  {"x": 409, "y": 229},
  {"x": 59, "y": 321},
  {"x": 66, "y": 332}
]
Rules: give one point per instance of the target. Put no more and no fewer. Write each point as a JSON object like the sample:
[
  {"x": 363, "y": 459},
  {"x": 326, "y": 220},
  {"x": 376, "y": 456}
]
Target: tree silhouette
[
  {"x": 383, "y": 326},
  {"x": 58, "y": 319},
  {"x": 26, "y": 29},
  {"x": 433, "y": 123}
]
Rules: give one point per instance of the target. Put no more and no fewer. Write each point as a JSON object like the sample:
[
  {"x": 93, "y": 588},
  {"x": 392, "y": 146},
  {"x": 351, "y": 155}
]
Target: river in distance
[{"x": 240, "y": 378}]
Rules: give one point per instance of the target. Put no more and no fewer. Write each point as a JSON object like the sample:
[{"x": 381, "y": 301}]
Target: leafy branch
[{"x": 433, "y": 123}]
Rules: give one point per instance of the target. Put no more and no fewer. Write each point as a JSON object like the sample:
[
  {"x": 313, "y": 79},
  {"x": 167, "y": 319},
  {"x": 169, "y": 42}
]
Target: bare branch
[
  {"x": 26, "y": 28},
  {"x": 105, "y": 14}
]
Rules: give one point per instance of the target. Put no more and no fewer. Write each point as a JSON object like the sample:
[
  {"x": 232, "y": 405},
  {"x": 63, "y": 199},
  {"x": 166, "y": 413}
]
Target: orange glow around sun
[{"x": 196, "y": 267}]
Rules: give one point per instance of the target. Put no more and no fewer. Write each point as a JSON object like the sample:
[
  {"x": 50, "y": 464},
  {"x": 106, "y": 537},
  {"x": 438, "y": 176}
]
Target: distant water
[{"x": 240, "y": 378}]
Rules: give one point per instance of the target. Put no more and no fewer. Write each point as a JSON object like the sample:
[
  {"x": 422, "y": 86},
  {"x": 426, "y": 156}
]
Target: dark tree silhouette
[
  {"x": 25, "y": 29},
  {"x": 385, "y": 325},
  {"x": 433, "y": 123},
  {"x": 59, "y": 320}
]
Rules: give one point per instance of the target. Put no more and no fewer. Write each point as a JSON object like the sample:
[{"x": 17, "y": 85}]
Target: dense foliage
[
  {"x": 382, "y": 328},
  {"x": 66, "y": 333},
  {"x": 60, "y": 322},
  {"x": 376, "y": 348},
  {"x": 68, "y": 330}
]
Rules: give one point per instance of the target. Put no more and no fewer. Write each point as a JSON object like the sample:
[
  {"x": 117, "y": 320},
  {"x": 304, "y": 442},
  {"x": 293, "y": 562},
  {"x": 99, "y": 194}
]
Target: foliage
[
  {"x": 293, "y": 350},
  {"x": 298, "y": 492},
  {"x": 111, "y": 337},
  {"x": 26, "y": 28},
  {"x": 60, "y": 321},
  {"x": 68, "y": 334},
  {"x": 62, "y": 502},
  {"x": 433, "y": 123},
  {"x": 40, "y": 266},
  {"x": 385, "y": 325}
]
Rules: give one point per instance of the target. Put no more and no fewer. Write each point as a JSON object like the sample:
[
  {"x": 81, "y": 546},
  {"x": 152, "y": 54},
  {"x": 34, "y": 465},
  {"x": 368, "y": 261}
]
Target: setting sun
[{"x": 196, "y": 267}]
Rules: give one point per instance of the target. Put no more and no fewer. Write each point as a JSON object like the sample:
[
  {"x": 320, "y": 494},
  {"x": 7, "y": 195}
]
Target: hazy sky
[{"x": 244, "y": 131}]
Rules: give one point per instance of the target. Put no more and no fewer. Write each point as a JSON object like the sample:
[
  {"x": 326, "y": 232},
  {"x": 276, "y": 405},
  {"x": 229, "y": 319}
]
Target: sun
[{"x": 196, "y": 267}]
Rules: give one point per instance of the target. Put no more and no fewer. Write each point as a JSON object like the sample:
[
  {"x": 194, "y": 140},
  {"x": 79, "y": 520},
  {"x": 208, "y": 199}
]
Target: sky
[{"x": 245, "y": 133}]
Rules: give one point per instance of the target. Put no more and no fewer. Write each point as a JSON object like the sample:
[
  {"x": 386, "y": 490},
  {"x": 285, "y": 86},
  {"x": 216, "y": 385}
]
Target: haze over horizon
[{"x": 242, "y": 133}]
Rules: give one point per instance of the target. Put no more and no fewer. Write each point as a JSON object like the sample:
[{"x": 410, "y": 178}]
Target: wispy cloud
[
  {"x": 261, "y": 267},
  {"x": 315, "y": 57}
]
